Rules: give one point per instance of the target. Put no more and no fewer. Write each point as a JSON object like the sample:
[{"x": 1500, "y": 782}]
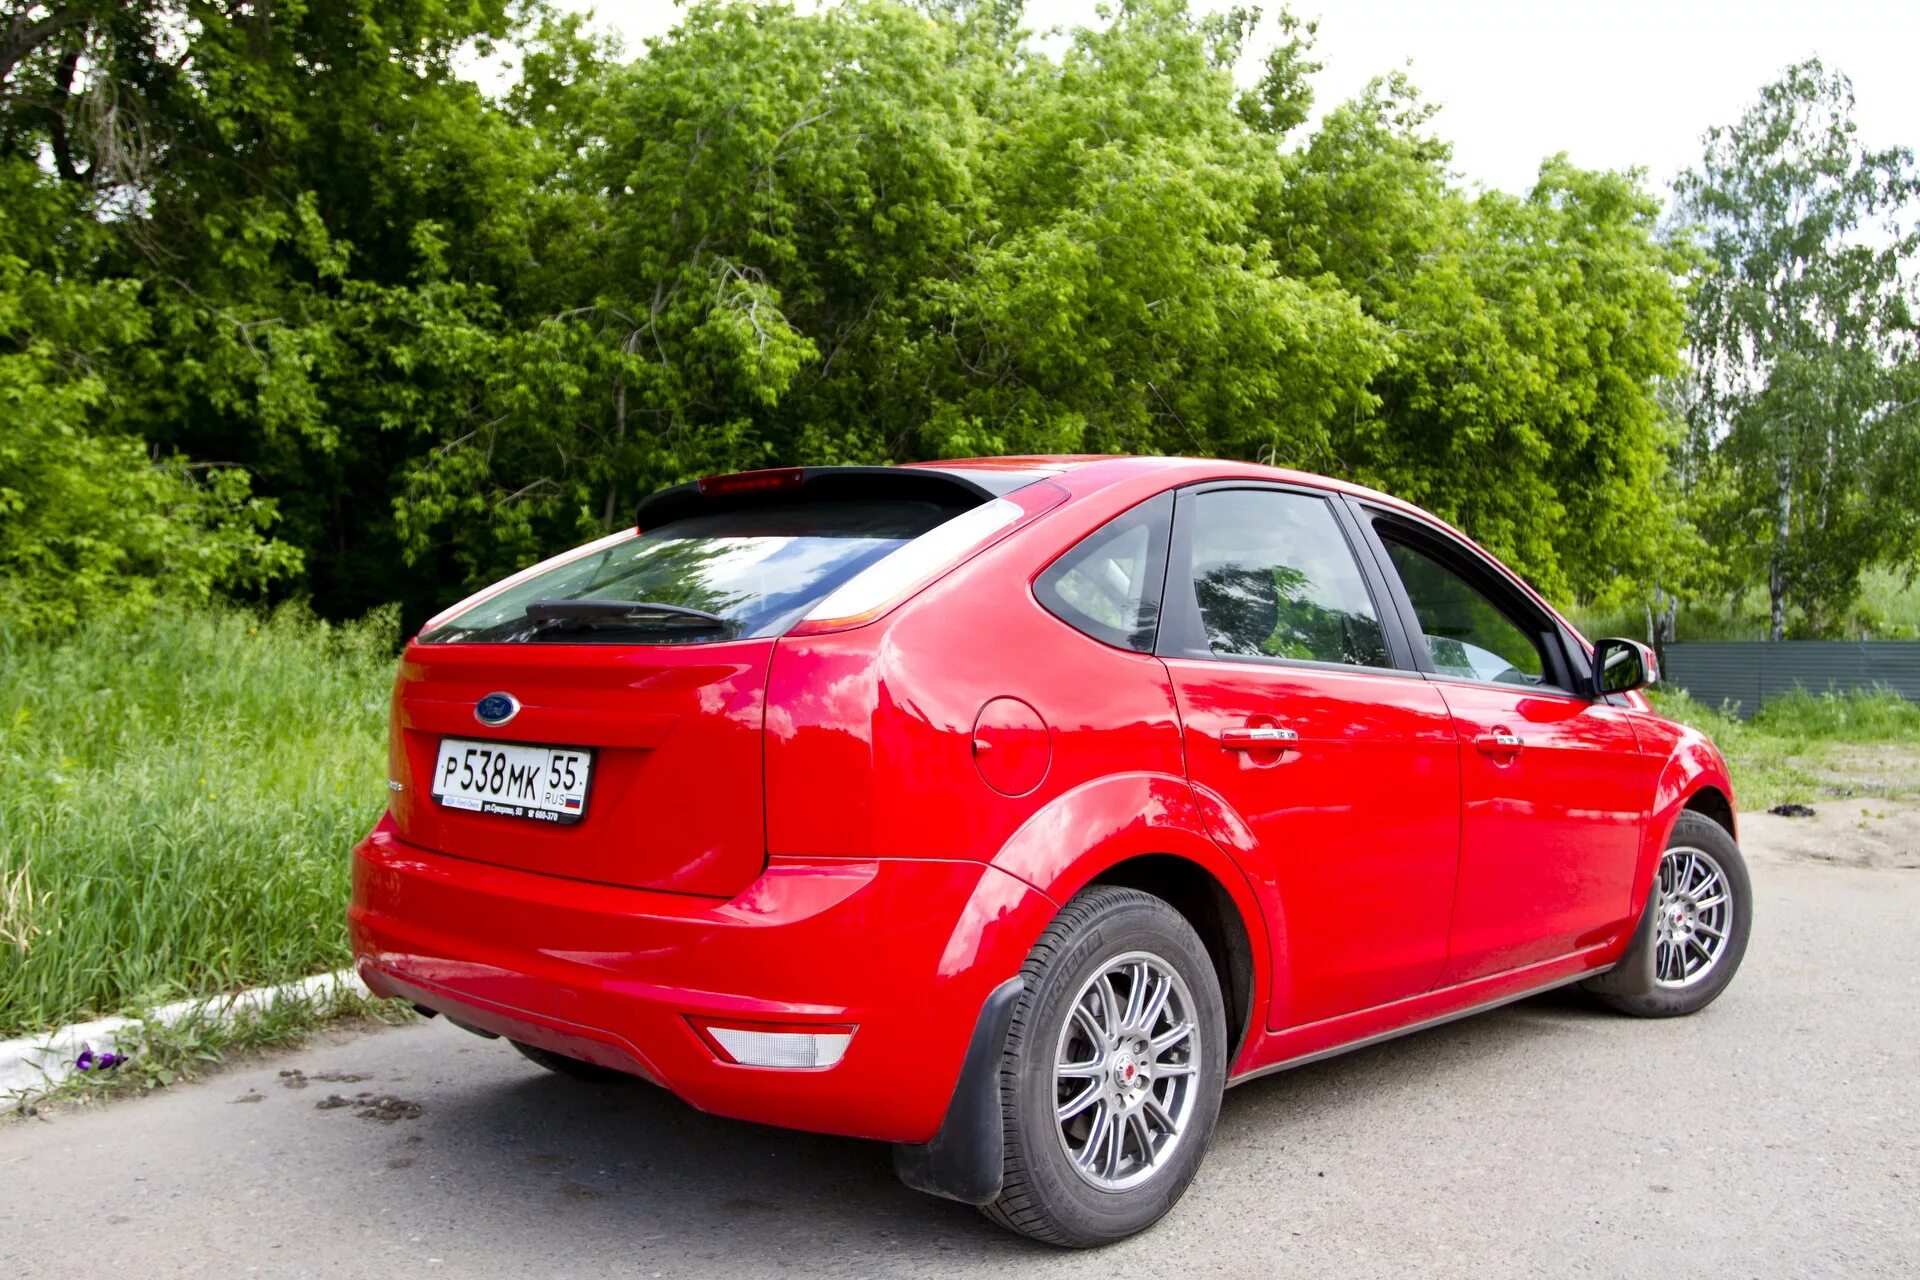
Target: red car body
[{"x": 864, "y": 826}]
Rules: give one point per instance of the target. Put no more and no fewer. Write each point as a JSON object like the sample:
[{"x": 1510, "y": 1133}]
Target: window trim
[
  {"x": 1569, "y": 665},
  {"x": 1157, "y": 588},
  {"x": 1183, "y": 632}
]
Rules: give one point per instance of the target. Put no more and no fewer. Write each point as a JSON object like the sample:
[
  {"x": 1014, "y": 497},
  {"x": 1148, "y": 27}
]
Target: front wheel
[
  {"x": 1111, "y": 1078},
  {"x": 1693, "y": 933}
]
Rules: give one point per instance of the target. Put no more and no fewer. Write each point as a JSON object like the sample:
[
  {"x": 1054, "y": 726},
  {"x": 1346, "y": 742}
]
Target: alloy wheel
[
  {"x": 1126, "y": 1071},
  {"x": 1695, "y": 917}
]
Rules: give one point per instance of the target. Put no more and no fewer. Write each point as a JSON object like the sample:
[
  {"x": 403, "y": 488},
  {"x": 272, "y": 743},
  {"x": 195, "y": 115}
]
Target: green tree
[
  {"x": 1804, "y": 408},
  {"x": 320, "y": 221},
  {"x": 446, "y": 333},
  {"x": 89, "y": 521},
  {"x": 1528, "y": 337}
]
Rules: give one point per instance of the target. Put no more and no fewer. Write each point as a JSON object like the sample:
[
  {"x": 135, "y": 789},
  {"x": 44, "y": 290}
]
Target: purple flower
[{"x": 103, "y": 1061}]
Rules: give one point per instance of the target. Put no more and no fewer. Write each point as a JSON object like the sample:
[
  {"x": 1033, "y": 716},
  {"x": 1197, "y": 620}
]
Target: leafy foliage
[
  {"x": 88, "y": 520},
  {"x": 1525, "y": 336},
  {"x": 445, "y": 333}
]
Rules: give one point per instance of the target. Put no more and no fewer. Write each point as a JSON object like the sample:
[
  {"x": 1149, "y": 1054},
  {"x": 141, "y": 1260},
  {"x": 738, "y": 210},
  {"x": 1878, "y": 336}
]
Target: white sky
[{"x": 1614, "y": 84}]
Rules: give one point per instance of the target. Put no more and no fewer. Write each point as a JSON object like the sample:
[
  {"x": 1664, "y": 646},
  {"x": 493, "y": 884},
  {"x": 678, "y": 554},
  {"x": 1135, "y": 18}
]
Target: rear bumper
[{"x": 905, "y": 950}]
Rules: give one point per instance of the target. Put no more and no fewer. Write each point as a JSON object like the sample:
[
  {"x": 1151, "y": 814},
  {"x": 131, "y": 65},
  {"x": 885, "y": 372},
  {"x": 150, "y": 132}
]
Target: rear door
[
  {"x": 1335, "y": 763},
  {"x": 1553, "y": 785}
]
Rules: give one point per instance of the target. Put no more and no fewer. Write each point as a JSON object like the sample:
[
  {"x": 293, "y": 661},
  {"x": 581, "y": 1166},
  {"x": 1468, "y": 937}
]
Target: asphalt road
[{"x": 1776, "y": 1134}]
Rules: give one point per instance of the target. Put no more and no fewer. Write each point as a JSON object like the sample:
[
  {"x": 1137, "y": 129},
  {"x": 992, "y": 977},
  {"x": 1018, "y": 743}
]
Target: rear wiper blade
[{"x": 594, "y": 613}]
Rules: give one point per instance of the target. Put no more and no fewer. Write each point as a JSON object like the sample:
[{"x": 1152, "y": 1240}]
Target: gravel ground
[{"x": 1775, "y": 1134}]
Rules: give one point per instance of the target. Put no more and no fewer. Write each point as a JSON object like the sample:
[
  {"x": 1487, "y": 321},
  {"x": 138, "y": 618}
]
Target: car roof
[{"x": 1090, "y": 469}]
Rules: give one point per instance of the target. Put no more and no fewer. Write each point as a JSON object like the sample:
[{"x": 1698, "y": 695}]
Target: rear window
[{"x": 738, "y": 574}]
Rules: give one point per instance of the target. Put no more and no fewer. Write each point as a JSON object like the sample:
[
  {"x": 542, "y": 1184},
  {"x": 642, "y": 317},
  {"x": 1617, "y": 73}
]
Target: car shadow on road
[
  {"x": 656, "y": 1178},
  {"x": 1414, "y": 1065},
  {"x": 632, "y": 1169}
]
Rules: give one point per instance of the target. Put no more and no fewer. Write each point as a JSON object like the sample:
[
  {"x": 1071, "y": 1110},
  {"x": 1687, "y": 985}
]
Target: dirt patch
[
  {"x": 1863, "y": 811},
  {"x": 1845, "y": 832},
  {"x": 383, "y": 1107},
  {"x": 1879, "y": 771}
]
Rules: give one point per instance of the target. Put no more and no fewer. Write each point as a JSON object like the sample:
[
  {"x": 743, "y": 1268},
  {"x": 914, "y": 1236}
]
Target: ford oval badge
[{"x": 496, "y": 709}]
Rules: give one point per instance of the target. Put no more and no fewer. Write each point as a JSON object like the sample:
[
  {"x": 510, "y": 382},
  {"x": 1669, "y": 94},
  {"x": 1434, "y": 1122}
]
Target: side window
[
  {"x": 1467, "y": 635},
  {"x": 1274, "y": 577},
  {"x": 1109, "y": 584}
]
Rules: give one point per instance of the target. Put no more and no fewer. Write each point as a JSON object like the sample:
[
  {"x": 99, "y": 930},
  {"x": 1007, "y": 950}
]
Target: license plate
[{"x": 547, "y": 784}]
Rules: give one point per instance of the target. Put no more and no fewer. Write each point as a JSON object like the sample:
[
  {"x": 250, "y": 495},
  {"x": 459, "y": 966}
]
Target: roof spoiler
[{"x": 956, "y": 489}]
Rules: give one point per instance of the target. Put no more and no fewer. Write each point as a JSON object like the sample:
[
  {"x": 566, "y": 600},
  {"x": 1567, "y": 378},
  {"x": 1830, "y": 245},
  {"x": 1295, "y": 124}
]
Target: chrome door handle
[
  {"x": 1501, "y": 742},
  {"x": 1256, "y": 739}
]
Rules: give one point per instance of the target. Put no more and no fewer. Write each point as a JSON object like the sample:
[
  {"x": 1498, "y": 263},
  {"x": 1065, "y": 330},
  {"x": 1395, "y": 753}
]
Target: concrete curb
[{"x": 31, "y": 1064}]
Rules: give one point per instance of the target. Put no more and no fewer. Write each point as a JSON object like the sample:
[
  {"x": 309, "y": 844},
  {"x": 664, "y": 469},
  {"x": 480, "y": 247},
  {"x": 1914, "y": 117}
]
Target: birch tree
[{"x": 1804, "y": 413}]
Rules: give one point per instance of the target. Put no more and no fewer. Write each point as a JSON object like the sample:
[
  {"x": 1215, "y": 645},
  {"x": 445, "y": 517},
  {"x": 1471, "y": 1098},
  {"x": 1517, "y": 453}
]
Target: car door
[
  {"x": 1553, "y": 787},
  {"x": 1331, "y": 764}
]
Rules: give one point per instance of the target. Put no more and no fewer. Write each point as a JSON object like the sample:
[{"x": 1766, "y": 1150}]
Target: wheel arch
[
  {"x": 1692, "y": 778},
  {"x": 1145, "y": 831},
  {"x": 1197, "y": 895},
  {"x": 1711, "y": 801}
]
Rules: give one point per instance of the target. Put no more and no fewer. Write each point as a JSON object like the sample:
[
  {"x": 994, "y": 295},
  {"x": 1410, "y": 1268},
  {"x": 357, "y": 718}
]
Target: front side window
[
  {"x": 1274, "y": 577},
  {"x": 1467, "y": 635},
  {"x": 1108, "y": 585}
]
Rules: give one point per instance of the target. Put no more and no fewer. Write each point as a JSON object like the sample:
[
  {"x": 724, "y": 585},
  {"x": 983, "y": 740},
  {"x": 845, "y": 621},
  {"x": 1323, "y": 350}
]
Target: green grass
[
  {"x": 177, "y": 802},
  {"x": 161, "y": 1054},
  {"x": 1786, "y": 752}
]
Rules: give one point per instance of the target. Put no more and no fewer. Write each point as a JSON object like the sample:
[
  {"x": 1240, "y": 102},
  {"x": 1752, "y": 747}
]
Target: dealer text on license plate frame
[{"x": 513, "y": 779}]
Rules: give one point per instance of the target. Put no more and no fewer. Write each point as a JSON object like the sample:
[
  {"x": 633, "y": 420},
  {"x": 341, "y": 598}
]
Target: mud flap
[
  {"x": 1633, "y": 976},
  {"x": 966, "y": 1160}
]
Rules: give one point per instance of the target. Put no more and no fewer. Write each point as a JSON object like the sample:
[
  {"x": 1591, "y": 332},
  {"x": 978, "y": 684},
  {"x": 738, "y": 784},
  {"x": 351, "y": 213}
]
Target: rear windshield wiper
[{"x": 588, "y": 614}]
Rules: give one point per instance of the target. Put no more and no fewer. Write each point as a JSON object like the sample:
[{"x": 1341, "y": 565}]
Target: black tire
[
  {"x": 1631, "y": 986},
  {"x": 561, "y": 1064},
  {"x": 1042, "y": 1195}
]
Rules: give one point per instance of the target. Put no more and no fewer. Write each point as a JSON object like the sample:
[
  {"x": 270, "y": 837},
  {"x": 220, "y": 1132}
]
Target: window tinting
[
  {"x": 759, "y": 568},
  {"x": 1467, "y": 635},
  {"x": 1108, "y": 585},
  {"x": 1274, "y": 578}
]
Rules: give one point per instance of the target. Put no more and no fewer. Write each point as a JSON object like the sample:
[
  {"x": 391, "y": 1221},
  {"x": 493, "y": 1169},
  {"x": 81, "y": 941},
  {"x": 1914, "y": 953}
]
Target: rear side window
[
  {"x": 1109, "y": 584},
  {"x": 725, "y": 575},
  {"x": 1274, "y": 577}
]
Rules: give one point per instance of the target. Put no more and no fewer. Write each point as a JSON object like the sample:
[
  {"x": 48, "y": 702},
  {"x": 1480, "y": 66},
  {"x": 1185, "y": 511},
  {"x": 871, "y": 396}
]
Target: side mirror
[{"x": 1622, "y": 665}]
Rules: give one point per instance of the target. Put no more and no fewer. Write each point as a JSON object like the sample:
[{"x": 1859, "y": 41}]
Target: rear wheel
[
  {"x": 1693, "y": 933},
  {"x": 1110, "y": 1082},
  {"x": 561, "y": 1064}
]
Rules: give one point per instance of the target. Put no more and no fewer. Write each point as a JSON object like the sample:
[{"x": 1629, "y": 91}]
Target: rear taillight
[
  {"x": 795, "y": 1046},
  {"x": 875, "y": 590}
]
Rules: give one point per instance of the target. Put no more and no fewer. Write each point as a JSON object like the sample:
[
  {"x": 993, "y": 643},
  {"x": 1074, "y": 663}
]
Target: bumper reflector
[{"x": 767, "y": 1046}]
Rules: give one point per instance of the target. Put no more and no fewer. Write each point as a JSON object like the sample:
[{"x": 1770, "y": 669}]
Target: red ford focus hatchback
[{"x": 1007, "y": 810}]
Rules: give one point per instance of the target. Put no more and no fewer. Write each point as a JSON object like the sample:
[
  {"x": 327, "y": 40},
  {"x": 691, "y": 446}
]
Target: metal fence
[{"x": 1750, "y": 672}]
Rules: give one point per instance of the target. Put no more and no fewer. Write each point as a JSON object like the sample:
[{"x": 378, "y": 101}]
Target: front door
[
  {"x": 1333, "y": 772},
  {"x": 1553, "y": 786}
]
